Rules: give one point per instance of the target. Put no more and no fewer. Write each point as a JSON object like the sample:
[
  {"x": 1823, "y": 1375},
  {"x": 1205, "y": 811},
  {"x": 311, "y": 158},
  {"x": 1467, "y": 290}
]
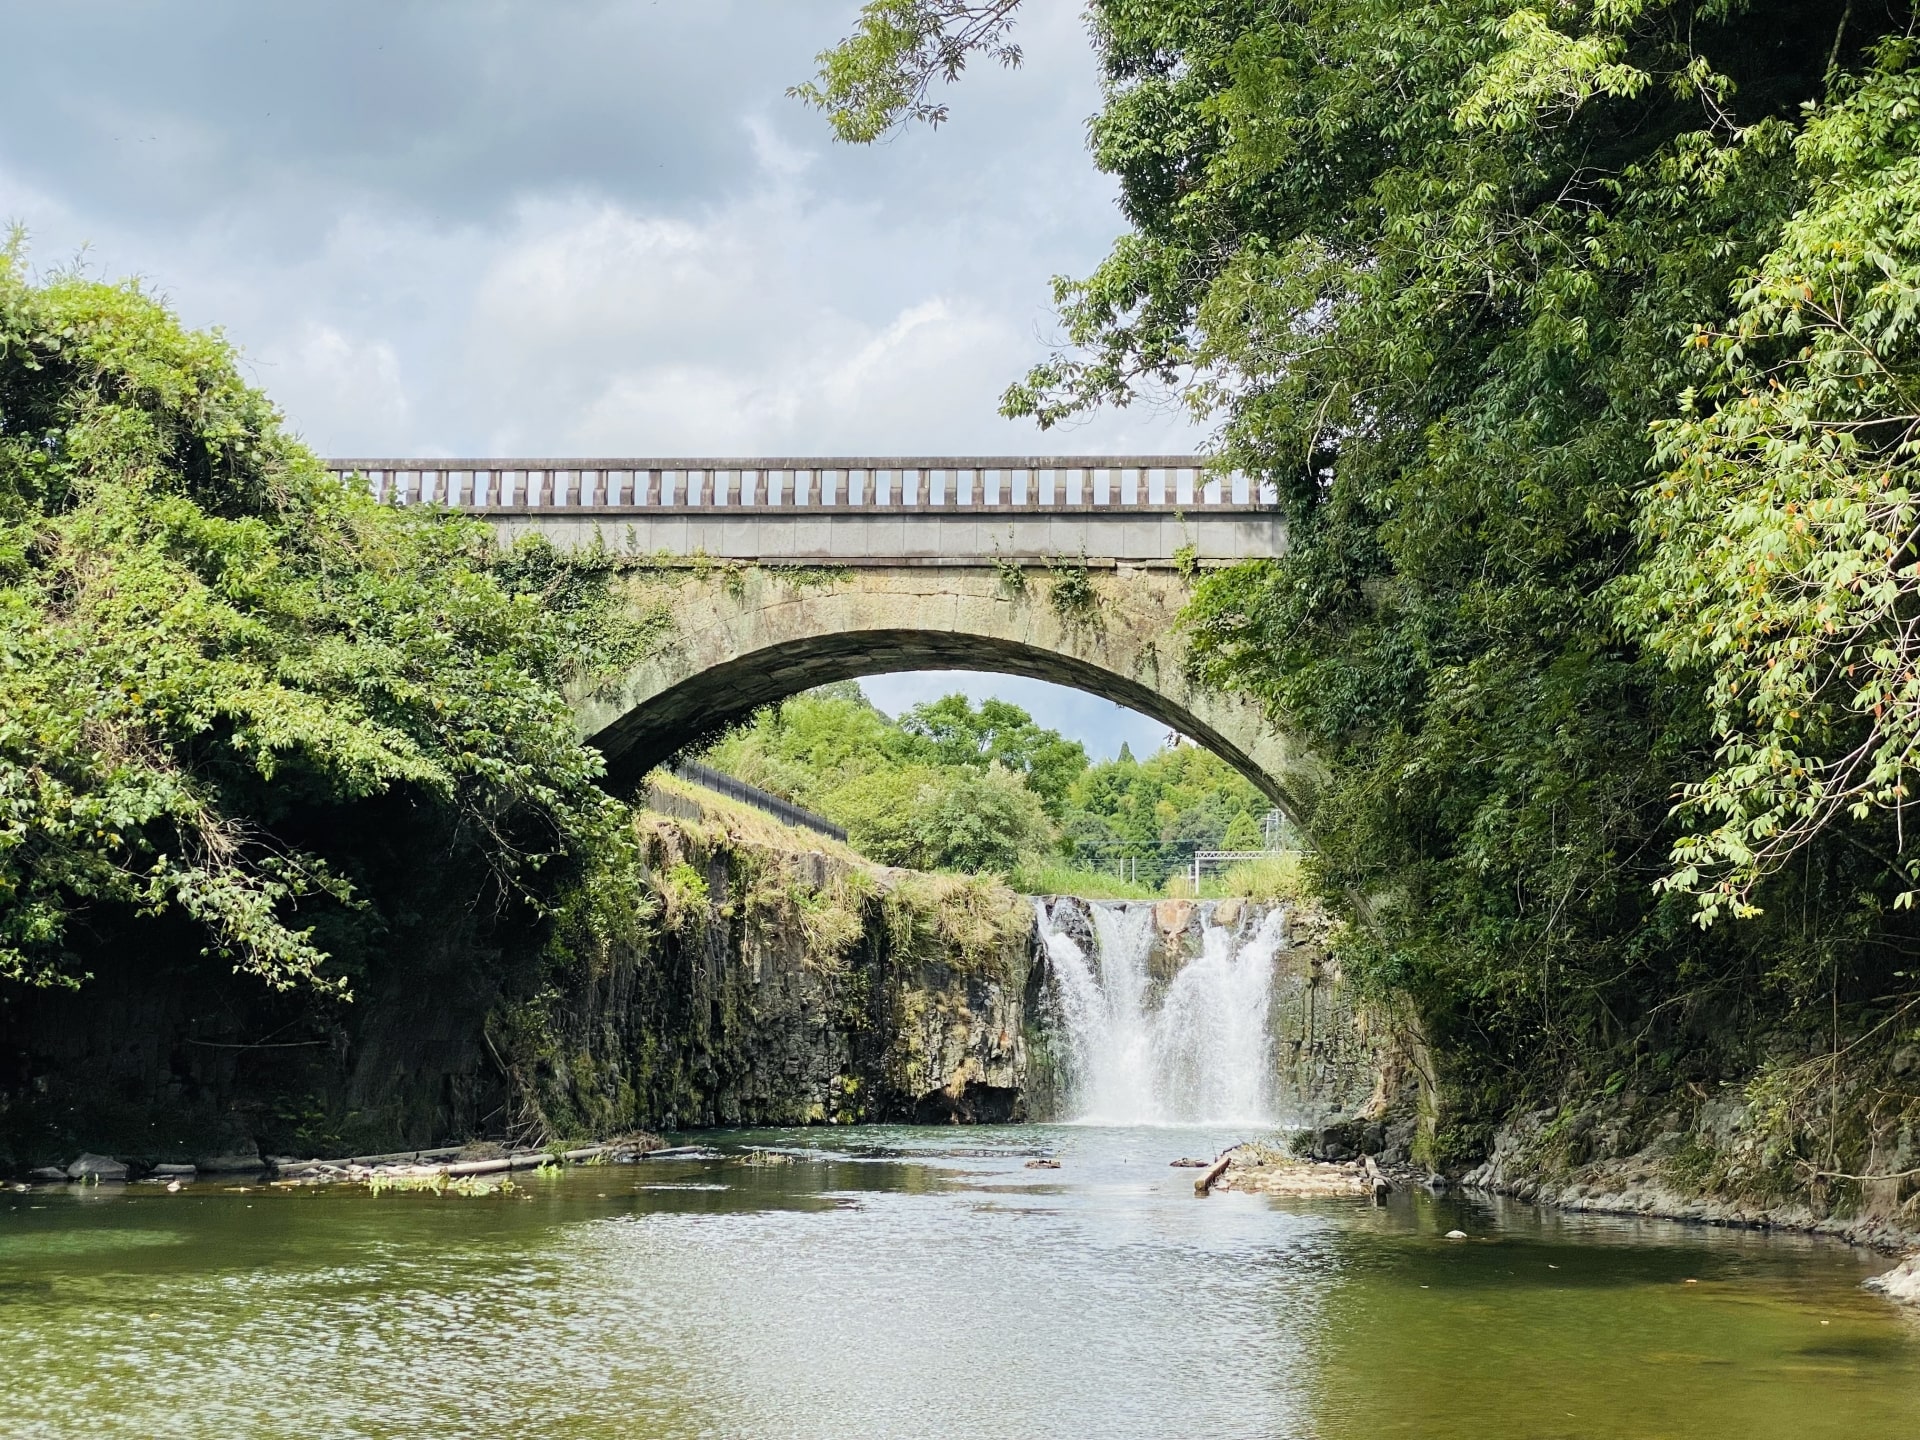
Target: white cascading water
[{"x": 1203, "y": 1056}]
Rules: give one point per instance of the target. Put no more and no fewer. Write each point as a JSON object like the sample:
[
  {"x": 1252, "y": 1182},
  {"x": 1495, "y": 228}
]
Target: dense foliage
[
  {"x": 953, "y": 787},
  {"x": 230, "y": 684},
  {"x": 1781, "y": 538},
  {"x": 1578, "y": 342},
  {"x": 938, "y": 792},
  {"x": 1147, "y": 817}
]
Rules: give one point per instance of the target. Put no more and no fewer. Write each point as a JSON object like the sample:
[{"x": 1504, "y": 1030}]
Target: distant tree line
[{"x": 952, "y": 786}]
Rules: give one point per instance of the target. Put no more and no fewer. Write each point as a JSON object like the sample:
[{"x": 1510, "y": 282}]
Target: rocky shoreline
[
  {"x": 1633, "y": 1186},
  {"x": 446, "y": 1163},
  {"x": 1637, "y": 1186}
]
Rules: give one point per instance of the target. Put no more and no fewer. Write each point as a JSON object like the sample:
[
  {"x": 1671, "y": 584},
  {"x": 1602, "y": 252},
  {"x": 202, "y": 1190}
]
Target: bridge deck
[{"x": 861, "y": 510}]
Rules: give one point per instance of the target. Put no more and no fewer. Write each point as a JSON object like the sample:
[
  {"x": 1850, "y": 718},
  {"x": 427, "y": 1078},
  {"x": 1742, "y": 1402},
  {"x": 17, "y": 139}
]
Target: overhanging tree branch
[{"x": 880, "y": 76}]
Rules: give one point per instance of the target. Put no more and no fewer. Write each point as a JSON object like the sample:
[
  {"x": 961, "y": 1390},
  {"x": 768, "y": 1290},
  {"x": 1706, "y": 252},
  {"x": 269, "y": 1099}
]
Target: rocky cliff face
[
  {"x": 1817, "y": 1138},
  {"x": 779, "y": 986},
  {"x": 775, "y": 980}
]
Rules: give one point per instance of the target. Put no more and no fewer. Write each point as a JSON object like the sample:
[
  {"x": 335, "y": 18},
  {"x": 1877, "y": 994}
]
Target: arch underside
[{"x": 703, "y": 705}]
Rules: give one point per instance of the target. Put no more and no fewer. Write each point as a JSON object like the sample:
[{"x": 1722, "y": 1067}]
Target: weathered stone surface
[
  {"x": 958, "y": 537},
  {"x": 743, "y": 638},
  {"x": 1171, "y": 917},
  {"x": 1680, "y": 1159},
  {"x": 97, "y": 1167},
  {"x": 1901, "y": 1283},
  {"x": 786, "y": 986},
  {"x": 1339, "y": 1061},
  {"x": 1262, "y": 1170}
]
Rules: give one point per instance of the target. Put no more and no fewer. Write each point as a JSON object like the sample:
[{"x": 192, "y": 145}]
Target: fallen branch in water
[
  {"x": 1204, "y": 1182},
  {"x": 440, "y": 1164}
]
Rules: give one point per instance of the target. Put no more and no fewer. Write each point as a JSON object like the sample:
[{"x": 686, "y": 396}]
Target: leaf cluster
[
  {"x": 1437, "y": 272},
  {"x": 214, "y": 655},
  {"x": 1781, "y": 556},
  {"x": 882, "y": 75}
]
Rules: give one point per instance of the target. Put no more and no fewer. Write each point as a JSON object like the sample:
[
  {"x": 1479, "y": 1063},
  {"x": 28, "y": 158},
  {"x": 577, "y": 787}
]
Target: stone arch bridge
[{"x": 782, "y": 574}]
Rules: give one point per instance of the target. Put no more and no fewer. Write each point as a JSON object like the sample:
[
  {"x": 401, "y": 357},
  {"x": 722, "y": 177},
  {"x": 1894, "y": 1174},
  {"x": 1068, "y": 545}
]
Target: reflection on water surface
[{"x": 903, "y": 1282}]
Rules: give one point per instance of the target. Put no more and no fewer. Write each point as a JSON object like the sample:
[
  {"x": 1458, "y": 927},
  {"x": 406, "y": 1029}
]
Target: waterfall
[{"x": 1200, "y": 1055}]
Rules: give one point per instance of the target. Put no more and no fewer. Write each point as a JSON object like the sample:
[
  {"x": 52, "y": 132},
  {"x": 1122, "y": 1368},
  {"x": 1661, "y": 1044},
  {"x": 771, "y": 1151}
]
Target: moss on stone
[{"x": 778, "y": 979}]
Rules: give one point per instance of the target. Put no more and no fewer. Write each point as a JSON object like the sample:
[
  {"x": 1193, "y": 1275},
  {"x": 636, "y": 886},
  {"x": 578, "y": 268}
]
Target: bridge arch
[
  {"x": 799, "y": 571},
  {"x": 743, "y": 639}
]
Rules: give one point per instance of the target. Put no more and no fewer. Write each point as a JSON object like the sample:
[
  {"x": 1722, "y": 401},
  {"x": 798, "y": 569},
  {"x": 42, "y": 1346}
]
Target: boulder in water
[
  {"x": 97, "y": 1168},
  {"x": 1341, "y": 1140},
  {"x": 1172, "y": 915},
  {"x": 1901, "y": 1283},
  {"x": 1456, "y": 1234}
]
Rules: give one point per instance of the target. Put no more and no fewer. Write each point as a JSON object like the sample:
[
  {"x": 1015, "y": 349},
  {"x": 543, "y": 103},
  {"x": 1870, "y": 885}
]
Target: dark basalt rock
[{"x": 976, "y": 1104}]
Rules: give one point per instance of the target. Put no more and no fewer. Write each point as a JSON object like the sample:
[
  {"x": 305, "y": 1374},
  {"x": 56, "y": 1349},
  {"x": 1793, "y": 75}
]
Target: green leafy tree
[
  {"x": 1156, "y": 811},
  {"x": 999, "y": 733},
  {"x": 1454, "y": 278},
  {"x": 812, "y": 745},
  {"x": 1243, "y": 833},
  {"x": 882, "y": 75},
  {"x": 977, "y": 820},
  {"x": 1782, "y": 556},
  {"x": 218, "y": 666},
  {"x": 948, "y": 788},
  {"x": 953, "y": 786},
  {"x": 980, "y": 820}
]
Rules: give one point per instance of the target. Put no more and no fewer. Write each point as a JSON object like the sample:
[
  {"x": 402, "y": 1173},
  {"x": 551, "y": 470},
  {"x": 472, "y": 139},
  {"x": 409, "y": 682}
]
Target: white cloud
[
  {"x": 639, "y": 245},
  {"x": 339, "y": 383}
]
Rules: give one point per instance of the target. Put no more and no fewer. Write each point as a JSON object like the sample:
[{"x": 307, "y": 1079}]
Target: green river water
[{"x": 924, "y": 1283}]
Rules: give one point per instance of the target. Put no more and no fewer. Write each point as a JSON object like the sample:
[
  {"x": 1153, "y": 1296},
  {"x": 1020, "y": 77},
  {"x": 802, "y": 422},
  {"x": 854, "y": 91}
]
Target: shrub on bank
[{"x": 230, "y": 683}]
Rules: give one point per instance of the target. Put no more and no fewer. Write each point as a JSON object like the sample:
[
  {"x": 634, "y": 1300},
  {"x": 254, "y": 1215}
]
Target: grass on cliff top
[
  {"x": 1276, "y": 878},
  {"x": 1053, "y": 878},
  {"x": 972, "y": 918},
  {"x": 751, "y": 825}
]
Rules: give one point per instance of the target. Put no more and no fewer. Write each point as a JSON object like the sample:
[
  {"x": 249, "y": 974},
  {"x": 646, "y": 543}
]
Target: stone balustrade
[
  {"x": 860, "y": 510},
  {"x": 777, "y": 485}
]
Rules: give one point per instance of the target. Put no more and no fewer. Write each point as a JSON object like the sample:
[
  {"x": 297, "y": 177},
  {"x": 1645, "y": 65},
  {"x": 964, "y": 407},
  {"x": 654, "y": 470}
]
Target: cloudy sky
[{"x": 576, "y": 227}]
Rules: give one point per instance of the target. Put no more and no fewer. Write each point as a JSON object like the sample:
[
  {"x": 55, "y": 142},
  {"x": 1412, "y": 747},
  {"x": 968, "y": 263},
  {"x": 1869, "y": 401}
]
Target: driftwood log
[
  {"x": 423, "y": 1163},
  {"x": 1204, "y": 1182}
]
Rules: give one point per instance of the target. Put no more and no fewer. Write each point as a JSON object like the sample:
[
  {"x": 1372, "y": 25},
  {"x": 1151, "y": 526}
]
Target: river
[{"x": 924, "y": 1283}]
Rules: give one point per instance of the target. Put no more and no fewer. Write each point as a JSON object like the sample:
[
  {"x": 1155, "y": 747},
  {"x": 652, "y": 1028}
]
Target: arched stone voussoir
[{"x": 739, "y": 643}]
